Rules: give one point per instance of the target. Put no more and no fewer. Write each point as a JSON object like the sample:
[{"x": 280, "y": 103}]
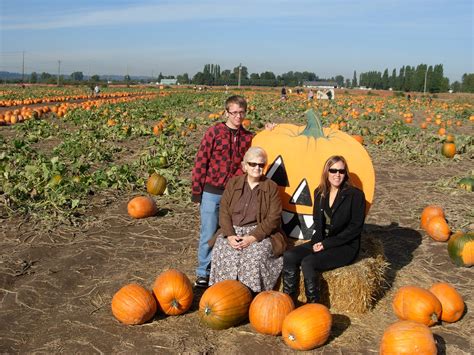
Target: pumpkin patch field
[{"x": 95, "y": 208}]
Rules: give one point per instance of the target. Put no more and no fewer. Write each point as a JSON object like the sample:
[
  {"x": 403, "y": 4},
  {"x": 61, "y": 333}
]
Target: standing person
[
  {"x": 96, "y": 90},
  {"x": 283, "y": 93},
  {"x": 339, "y": 214},
  {"x": 249, "y": 243},
  {"x": 218, "y": 159},
  {"x": 310, "y": 94}
]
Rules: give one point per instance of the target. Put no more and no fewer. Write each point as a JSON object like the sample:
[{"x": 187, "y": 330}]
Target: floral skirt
[{"x": 254, "y": 266}]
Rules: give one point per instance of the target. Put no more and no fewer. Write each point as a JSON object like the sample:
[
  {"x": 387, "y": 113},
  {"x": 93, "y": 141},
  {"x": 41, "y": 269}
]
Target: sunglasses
[
  {"x": 340, "y": 171},
  {"x": 253, "y": 165}
]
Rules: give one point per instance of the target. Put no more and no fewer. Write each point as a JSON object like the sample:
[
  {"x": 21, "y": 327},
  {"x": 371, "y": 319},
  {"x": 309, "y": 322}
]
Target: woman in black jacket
[{"x": 339, "y": 214}]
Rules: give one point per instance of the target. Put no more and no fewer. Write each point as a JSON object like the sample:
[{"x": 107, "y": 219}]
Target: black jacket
[{"x": 347, "y": 219}]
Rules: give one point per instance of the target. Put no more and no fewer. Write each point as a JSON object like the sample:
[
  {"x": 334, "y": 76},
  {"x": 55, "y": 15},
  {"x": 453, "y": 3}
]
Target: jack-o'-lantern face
[{"x": 296, "y": 158}]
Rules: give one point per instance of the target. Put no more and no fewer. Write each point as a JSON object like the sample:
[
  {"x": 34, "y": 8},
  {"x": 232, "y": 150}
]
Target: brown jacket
[{"x": 268, "y": 213}]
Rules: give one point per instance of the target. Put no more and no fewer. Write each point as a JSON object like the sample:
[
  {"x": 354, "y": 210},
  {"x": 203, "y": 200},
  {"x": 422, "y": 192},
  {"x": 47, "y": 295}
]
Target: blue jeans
[{"x": 209, "y": 222}]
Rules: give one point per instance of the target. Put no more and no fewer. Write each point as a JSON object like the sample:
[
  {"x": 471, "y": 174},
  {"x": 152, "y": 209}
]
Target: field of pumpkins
[{"x": 99, "y": 235}]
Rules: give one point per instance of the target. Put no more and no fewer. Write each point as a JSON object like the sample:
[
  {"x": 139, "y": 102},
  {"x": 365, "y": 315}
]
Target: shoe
[
  {"x": 312, "y": 289},
  {"x": 202, "y": 282},
  {"x": 291, "y": 282}
]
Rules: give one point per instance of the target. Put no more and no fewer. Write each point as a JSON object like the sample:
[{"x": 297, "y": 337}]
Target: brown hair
[
  {"x": 324, "y": 185},
  {"x": 236, "y": 99}
]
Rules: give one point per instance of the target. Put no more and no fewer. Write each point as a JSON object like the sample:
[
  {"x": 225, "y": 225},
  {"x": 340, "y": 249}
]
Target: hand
[
  {"x": 247, "y": 240},
  {"x": 318, "y": 247},
  {"x": 270, "y": 125},
  {"x": 234, "y": 241}
]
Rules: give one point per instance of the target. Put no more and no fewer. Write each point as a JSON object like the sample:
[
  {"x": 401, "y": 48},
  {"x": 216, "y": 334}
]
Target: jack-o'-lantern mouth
[{"x": 299, "y": 226}]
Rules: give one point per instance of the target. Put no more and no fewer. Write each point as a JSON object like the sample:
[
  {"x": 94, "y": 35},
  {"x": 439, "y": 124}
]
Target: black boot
[
  {"x": 312, "y": 291},
  {"x": 291, "y": 282}
]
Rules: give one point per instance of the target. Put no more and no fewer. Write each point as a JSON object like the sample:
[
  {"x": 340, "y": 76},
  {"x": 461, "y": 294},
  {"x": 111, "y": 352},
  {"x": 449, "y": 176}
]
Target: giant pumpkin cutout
[{"x": 296, "y": 157}]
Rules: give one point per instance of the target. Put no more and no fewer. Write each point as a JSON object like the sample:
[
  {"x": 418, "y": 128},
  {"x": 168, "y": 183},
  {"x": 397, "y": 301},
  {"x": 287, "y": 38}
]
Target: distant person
[
  {"x": 408, "y": 97},
  {"x": 310, "y": 95},
  {"x": 283, "y": 93},
  {"x": 329, "y": 94},
  {"x": 96, "y": 90}
]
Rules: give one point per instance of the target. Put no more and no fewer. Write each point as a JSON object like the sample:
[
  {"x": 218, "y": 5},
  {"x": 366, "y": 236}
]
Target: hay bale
[{"x": 353, "y": 288}]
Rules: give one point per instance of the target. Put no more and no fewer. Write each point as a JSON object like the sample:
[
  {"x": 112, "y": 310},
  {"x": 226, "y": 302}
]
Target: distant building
[
  {"x": 169, "y": 81},
  {"x": 320, "y": 84}
]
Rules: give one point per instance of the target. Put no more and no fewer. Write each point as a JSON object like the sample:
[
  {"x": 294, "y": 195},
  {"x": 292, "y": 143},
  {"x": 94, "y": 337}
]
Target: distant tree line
[{"x": 408, "y": 78}]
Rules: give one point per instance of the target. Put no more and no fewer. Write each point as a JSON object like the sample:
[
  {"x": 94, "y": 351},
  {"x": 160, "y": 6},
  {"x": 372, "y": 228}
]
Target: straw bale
[{"x": 353, "y": 288}]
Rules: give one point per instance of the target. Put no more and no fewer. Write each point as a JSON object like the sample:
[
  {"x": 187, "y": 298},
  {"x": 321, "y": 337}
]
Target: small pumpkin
[
  {"x": 417, "y": 304},
  {"x": 268, "y": 310},
  {"x": 461, "y": 248},
  {"x": 307, "y": 327},
  {"x": 133, "y": 304},
  {"x": 225, "y": 304},
  {"x": 438, "y": 229},
  {"x": 156, "y": 184},
  {"x": 448, "y": 149},
  {"x": 141, "y": 207},
  {"x": 428, "y": 213},
  {"x": 452, "y": 304},
  {"x": 407, "y": 337},
  {"x": 173, "y": 291},
  {"x": 467, "y": 184}
]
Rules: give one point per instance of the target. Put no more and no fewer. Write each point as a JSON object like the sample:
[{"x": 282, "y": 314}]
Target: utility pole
[
  {"x": 426, "y": 76},
  {"x": 59, "y": 70},
  {"x": 240, "y": 71},
  {"x": 23, "y": 68}
]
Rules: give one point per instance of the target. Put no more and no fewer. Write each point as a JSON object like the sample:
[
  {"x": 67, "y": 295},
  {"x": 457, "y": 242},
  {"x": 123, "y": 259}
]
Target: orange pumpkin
[
  {"x": 142, "y": 207},
  {"x": 448, "y": 149},
  {"x": 307, "y": 327},
  {"x": 297, "y": 171},
  {"x": 225, "y": 304},
  {"x": 174, "y": 292},
  {"x": 246, "y": 123},
  {"x": 156, "y": 184},
  {"x": 268, "y": 310},
  {"x": 407, "y": 337},
  {"x": 133, "y": 304},
  {"x": 429, "y": 212},
  {"x": 417, "y": 304},
  {"x": 358, "y": 138},
  {"x": 452, "y": 304},
  {"x": 438, "y": 229}
]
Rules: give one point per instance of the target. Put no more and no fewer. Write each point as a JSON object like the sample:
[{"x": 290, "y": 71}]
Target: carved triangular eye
[
  {"x": 277, "y": 172},
  {"x": 302, "y": 195}
]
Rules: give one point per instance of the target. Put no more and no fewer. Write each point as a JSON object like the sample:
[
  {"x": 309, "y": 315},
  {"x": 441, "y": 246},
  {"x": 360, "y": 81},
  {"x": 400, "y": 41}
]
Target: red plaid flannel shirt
[{"x": 219, "y": 158}]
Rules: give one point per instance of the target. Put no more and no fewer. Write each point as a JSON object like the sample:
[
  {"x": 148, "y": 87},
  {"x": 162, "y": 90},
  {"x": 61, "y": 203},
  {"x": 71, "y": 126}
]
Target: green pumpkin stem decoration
[{"x": 314, "y": 127}]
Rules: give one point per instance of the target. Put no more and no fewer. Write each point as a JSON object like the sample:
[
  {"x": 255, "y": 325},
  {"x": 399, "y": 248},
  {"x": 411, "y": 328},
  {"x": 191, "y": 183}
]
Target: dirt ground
[{"x": 56, "y": 285}]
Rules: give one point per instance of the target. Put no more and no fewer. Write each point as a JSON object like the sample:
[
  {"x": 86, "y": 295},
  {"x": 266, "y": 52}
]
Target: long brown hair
[{"x": 324, "y": 185}]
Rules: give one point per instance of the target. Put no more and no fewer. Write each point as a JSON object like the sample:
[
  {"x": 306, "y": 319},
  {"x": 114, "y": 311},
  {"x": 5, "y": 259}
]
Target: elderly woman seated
[{"x": 249, "y": 243}]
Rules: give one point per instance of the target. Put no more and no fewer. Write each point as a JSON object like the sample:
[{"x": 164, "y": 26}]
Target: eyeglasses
[
  {"x": 237, "y": 113},
  {"x": 253, "y": 165},
  {"x": 340, "y": 171}
]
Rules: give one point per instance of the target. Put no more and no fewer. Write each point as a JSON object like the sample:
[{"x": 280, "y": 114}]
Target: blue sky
[{"x": 146, "y": 37}]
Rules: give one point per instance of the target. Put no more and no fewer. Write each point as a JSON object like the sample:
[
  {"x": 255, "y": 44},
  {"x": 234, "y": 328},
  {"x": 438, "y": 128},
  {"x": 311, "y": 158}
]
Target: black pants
[{"x": 312, "y": 264}]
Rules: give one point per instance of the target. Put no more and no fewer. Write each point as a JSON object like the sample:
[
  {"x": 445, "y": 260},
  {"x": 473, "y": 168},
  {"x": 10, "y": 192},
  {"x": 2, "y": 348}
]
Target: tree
[
  {"x": 456, "y": 86},
  {"x": 160, "y": 77},
  {"x": 339, "y": 80},
  {"x": 348, "y": 83},
  {"x": 95, "y": 78},
  {"x": 467, "y": 82},
  {"x": 45, "y": 76},
  {"x": 183, "y": 79},
  {"x": 385, "y": 80},
  {"x": 127, "y": 78},
  {"x": 354, "y": 80},
  {"x": 33, "y": 77},
  {"x": 77, "y": 76},
  {"x": 393, "y": 80}
]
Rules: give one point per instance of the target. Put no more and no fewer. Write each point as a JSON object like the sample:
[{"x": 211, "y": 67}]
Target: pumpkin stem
[
  {"x": 175, "y": 303},
  {"x": 314, "y": 127}
]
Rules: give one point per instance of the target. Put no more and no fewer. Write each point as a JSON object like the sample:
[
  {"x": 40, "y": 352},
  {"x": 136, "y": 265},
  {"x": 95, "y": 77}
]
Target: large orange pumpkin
[
  {"x": 417, "y": 304},
  {"x": 156, "y": 184},
  {"x": 307, "y": 327},
  {"x": 408, "y": 337},
  {"x": 174, "y": 292},
  {"x": 225, "y": 304},
  {"x": 268, "y": 310},
  {"x": 429, "y": 212},
  {"x": 452, "y": 304},
  {"x": 296, "y": 157},
  {"x": 438, "y": 229},
  {"x": 133, "y": 304},
  {"x": 141, "y": 207},
  {"x": 461, "y": 248}
]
